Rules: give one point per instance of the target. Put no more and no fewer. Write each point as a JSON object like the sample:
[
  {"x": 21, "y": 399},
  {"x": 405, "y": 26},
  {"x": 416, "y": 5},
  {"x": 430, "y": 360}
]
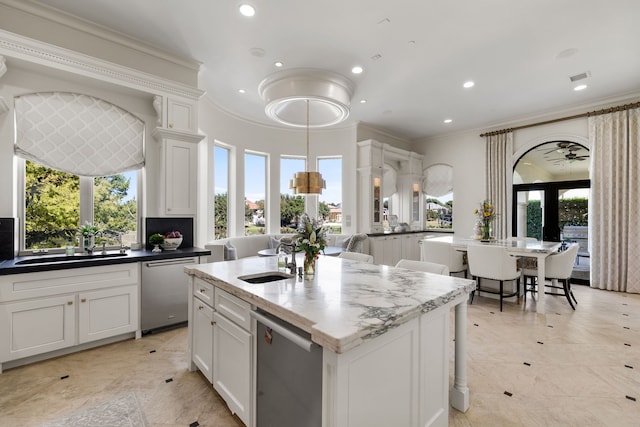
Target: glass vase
[
  {"x": 486, "y": 231},
  {"x": 309, "y": 264}
]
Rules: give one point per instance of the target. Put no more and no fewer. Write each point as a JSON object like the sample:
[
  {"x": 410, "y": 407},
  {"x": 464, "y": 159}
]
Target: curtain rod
[{"x": 562, "y": 119}]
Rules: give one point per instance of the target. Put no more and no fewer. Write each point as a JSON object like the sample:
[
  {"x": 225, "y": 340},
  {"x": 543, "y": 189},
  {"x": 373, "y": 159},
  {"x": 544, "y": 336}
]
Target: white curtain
[
  {"x": 78, "y": 134},
  {"x": 499, "y": 180},
  {"x": 615, "y": 201}
]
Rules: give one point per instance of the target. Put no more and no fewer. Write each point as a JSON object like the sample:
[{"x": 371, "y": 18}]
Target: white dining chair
[
  {"x": 558, "y": 268},
  {"x": 493, "y": 262},
  {"x": 356, "y": 256},
  {"x": 443, "y": 253},
  {"x": 426, "y": 266}
]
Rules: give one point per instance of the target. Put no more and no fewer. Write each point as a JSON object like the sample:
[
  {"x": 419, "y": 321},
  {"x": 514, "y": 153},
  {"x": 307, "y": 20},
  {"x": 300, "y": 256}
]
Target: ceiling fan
[
  {"x": 564, "y": 147},
  {"x": 569, "y": 157}
]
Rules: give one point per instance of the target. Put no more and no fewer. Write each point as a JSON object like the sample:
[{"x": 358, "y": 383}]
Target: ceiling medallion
[{"x": 286, "y": 93}]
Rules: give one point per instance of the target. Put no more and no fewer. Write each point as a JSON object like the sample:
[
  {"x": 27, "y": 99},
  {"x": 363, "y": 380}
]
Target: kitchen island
[{"x": 384, "y": 334}]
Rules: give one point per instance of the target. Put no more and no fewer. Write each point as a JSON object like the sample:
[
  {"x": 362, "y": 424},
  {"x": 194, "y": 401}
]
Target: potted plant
[{"x": 156, "y": 240}]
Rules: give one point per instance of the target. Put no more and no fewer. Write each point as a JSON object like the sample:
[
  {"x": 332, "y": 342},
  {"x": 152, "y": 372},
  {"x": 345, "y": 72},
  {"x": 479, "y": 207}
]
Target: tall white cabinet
[{"x": 373, "y": 159}]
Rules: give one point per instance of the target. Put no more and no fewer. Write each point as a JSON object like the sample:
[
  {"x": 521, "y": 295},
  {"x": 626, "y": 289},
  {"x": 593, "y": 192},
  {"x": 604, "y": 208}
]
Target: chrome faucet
[{"x": 290, "y": 265}]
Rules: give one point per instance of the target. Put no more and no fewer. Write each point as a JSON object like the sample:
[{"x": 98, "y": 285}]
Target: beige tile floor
[{"x": 576, "y": 374}]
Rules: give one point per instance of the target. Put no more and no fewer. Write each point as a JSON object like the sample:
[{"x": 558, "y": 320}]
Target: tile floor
[{"x": 564, "y": 368}]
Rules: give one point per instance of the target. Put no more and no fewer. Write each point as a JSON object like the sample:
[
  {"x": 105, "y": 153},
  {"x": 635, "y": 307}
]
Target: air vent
[{"x": 580, "y": 76}]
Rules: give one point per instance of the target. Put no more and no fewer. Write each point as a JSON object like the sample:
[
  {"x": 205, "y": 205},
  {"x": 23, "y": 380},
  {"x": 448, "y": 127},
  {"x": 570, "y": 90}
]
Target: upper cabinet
[
  {"x": 176, "y": 113},
  {"x": 378, "y": 197}
]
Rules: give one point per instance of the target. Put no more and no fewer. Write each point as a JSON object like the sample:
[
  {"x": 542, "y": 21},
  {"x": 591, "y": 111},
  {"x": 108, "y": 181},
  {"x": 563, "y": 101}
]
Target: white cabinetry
[
  {"x": 232, "y": 353},
  {"x": 107, "y": 312},
  {"x": 388, "y": 250},
  {"x": 221, "y": 345},
  {"x": 179, "y": 160},
  {"x": 46, "y": 311},
  {"x": 181, "y": 115}
]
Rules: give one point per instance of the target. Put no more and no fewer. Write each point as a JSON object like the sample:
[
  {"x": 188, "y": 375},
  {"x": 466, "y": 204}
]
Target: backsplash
[
  {"x": 164, "y": 225},
  {"x": 7, "y": 238}
]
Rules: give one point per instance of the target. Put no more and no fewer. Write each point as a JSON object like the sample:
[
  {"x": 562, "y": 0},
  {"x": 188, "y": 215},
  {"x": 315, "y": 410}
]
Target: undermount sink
[
  {"x": 269, "y": 276},
  {"x": 67, "y": 258}
]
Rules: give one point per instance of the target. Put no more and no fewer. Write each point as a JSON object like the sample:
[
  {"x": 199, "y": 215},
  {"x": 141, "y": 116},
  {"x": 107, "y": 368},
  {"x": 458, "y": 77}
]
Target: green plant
[{"x": 156, "y": 239}]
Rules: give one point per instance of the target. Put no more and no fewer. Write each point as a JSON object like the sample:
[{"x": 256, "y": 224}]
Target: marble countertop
[{"x": 346, "y": 303}]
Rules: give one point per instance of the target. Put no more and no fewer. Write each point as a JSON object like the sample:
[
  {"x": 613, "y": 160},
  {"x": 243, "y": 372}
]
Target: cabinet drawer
[
  {"x": 203, "y": 291},
  {"x": 233, "y": 308}
]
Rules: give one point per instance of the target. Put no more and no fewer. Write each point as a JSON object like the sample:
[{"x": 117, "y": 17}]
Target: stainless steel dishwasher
[
  {"x": 289, "y": 375},
  {"x": 164, "y": 293}
]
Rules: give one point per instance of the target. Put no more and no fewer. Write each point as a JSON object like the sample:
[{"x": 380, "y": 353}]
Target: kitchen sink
[
  {"x": 269, "y": 276},
  {"x": 67, "y": 258}
]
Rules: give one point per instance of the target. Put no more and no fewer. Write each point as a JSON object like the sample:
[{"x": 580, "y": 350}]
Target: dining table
[{"x": 515, "y": 247}]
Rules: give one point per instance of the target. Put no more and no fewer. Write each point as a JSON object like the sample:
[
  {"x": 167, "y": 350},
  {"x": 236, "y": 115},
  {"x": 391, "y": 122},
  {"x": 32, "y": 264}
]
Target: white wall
[{"x": 274, "y": 141}]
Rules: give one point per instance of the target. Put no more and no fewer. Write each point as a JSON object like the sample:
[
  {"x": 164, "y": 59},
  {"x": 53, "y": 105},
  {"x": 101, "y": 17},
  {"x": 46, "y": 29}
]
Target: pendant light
[{"x": 307, "y": 182}]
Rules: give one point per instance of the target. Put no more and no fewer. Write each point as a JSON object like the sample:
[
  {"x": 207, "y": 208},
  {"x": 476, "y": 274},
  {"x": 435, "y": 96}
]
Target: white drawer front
[
  {"x": 233, "y": 308},
  {"x": 203, "y": 291}
]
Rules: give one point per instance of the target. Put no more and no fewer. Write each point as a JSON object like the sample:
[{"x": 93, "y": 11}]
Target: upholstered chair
[
  {"x": 426, "y": 266},
  {"x": 558, "y": 268},
  {"x": 493, "y": 262},
  {"x": 443, "y": 253},
  {"x": 356, "y": 256}
]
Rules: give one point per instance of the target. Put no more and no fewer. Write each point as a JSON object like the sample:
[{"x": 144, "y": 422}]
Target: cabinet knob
[
  {"x": 69, "y": 302},
  {"x": 213, "y": 323},
  {"x": 202, "y": 291},
  {"x": 83, "y": 300},
  {"x": 170, "y": 125},
  {"x": 200, "y": 307}
]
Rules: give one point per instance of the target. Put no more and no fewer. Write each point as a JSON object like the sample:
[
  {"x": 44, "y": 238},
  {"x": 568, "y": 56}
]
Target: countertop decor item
[
  {"x": 156, "y": 240},
  {"x": 486, "y": 215},
  {"x": 172, "y": 240},
  {"x": 311, "y": 240}
]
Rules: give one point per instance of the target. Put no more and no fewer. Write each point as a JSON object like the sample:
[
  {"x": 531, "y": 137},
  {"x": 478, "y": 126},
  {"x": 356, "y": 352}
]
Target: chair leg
[
  {"x": 501, "y": 286},
  {"x": 571, "y": 292},
  {"x": 567, "y": 292},
  {"x": 473, "y": 292}
]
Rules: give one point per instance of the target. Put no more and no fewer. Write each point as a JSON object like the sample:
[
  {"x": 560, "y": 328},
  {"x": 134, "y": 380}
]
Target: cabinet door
[
  {"x": 180, "y": 115},
  {"x": 203, "y": 338},
  {"x": 36, "y": 326},
  {"x": 107, "y": 313},
  {"x": 181, "y": 168},
  {"x": 410, "y": 247},
  {"x": 376, "y": 248},
  {"x": 232, "y": 348},
  {"x": 392, "y": 250}
]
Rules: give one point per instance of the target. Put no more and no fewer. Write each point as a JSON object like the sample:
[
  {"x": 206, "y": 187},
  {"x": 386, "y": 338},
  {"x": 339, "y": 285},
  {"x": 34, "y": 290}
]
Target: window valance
[{"x": 78, "y": 134}]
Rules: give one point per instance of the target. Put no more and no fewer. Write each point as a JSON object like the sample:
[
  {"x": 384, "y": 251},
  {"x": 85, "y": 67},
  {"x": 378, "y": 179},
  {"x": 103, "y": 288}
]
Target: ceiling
[{"x": 416, "y": 55}]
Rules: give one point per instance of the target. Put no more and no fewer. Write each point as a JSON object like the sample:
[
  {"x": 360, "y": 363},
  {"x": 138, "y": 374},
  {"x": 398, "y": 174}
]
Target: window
[
  {"x": 438, "y": 191},
  {"x": 56, "y": 203},
  {"x": 255, "y": 190},
  {"x": 330, "y": 201},
  {"x": 291, "y": 205},
  {"x": 221, "y": 192}
]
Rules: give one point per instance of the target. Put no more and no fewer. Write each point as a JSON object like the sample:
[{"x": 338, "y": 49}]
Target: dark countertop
[
  {"x": 394, "y": 233},
  {"x": 13, "y": 266}
]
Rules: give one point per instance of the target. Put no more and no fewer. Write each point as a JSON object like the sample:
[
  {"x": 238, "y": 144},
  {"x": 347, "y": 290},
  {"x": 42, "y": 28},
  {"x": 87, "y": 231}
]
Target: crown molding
[
  {"x": 58, "y": 16},
  {"x": 37, "y": 52}
]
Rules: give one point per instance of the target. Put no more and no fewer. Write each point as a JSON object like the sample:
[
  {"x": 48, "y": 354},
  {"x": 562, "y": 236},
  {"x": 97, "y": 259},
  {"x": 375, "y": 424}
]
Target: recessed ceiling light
[
  {"x": 448, "y": 120},
  {"x": 241, "y": 90},
  {"x": 363, "y": 101},
  {"x": 580, "y": 87},
  {"x": 468, "y": 84},
  {"x": 357, "y": 70},
  {"x": 278, "y": 64},
  {"x": 247, "y": 10}
]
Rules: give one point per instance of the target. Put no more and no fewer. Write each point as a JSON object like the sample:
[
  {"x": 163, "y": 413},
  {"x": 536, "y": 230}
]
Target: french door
[{"x": 541, "y": 210}]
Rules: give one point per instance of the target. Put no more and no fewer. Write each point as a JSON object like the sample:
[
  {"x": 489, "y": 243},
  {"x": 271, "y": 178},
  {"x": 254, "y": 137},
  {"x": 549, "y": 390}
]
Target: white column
[{"x": 459, "y": 395}]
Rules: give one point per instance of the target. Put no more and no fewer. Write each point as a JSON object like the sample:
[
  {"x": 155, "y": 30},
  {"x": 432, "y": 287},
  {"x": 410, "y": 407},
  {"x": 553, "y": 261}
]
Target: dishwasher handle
[
  {"x": 301, "y": 342},
  {"x": 178, "y": 261}
]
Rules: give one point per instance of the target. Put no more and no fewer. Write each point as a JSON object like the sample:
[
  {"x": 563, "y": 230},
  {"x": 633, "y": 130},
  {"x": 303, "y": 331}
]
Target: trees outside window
[
  {"x": 53, "y": 204},
  {"x": 221, "y": 192}
]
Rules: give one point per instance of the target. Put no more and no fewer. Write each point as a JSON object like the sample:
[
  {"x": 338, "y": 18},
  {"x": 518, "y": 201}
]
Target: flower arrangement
[
  {"x": 485, "y": 215},
  {"x": 88, "y": 230},
  {"x": 311, "y": 239}
]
